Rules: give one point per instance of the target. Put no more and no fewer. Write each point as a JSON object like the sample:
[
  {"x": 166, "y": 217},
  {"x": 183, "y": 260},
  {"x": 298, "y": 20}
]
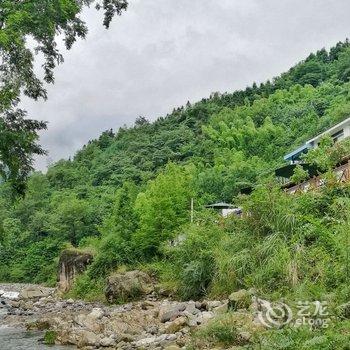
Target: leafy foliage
[
  {"x": 18, "y": 139},
  {"x": 42, "y": 21}
]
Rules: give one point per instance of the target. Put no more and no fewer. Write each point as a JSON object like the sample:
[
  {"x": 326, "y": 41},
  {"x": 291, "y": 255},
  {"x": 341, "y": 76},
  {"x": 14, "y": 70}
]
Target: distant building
[
  {"x": 337, "y": 132},
  {"x": 225, "y": 209}
]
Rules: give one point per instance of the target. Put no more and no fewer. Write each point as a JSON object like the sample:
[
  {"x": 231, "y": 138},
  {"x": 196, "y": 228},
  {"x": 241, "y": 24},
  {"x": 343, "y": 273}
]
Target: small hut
[{"x": 225, "y": 209}]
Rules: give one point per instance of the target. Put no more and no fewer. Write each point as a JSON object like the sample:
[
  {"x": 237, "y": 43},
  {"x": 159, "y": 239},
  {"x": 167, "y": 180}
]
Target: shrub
[
  {"x": 88, "y": 289},
  {"x": 193, "y": 260},
  {"x": 221, "y": 331},
  {"x": 299, "y": 174},
  {"x": 50, "y": 337},
  {"x": 113, "y": 252}
]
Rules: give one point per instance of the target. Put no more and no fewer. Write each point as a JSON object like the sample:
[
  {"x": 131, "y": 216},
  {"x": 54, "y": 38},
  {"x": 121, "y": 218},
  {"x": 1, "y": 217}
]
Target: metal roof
[
  {"x": 298, "y": 151},
  {"x": 220, "y": 205}
]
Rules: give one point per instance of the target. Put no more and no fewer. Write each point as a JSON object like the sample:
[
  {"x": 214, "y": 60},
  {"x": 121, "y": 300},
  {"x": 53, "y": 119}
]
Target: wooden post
[{"x": 192, "y": 210}]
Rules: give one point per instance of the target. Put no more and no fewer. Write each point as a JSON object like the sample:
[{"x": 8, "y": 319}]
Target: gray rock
[
  {"x": 90, "y": 321},
  {"x": 87, "y": 338},
  {"x": 205, "y": 317},
  {"x": 172, "y": 347},
  {"x": 199, "y": 305},
  {"x": 176, "y": 325},
  {"x": 145, "y": 341},
  {"x": 171, "y": 337},
  {"x": 128, "y": 286},
  {"x": 34, "y": 292},
  {"x": 239, "y": 300},
  {"x": 171, "y": 312},
  {"x": 97, "y": 313},
  {"x": 213, "y": 304},
  {"x": 191, "y": 308},
  {"x": 107, "y": 342},
  {"x": 71, "y": 264},
  {"x": 192, "y": 321},
  {"x": 223, "y": 308}
]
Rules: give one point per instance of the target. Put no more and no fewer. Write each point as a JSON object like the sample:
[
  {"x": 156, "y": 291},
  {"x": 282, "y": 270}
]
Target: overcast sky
[{"x": 162, "y": 53}]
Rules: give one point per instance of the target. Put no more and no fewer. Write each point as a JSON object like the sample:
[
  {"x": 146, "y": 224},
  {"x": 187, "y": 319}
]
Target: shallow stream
[{"x": 17, "y": 339}]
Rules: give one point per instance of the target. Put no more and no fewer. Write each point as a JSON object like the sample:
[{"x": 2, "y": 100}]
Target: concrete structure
[
  {"x": 337, "y": 132},
  {"x": 225, "y": 209}
]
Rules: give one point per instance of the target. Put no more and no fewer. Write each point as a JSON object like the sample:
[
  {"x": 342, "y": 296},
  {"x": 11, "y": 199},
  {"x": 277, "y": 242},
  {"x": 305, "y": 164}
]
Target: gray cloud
[{"x": 162, "y": 53}]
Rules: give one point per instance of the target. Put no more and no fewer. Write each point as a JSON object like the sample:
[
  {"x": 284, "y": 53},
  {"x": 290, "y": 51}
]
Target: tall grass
[{"x": 286, "y": 245}]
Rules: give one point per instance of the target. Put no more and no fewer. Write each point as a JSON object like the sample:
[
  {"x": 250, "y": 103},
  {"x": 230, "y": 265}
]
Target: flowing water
[{"x": 17, "y": 339}]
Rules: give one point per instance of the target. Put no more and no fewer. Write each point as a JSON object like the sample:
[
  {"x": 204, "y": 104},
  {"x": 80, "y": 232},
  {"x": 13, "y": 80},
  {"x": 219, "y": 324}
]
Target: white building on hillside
[{"x": 337, "y": 132}]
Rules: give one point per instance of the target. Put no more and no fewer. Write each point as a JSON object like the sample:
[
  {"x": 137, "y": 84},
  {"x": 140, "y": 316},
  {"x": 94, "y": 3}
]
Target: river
[{"x": 17, "y": 339}]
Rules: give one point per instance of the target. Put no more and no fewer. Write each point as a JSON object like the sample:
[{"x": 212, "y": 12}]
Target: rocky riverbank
[{"x": 147, "y": 324}]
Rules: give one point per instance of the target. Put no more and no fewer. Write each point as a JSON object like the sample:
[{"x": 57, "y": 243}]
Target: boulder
[
  {"x": 96, "y": 313},
  {"x": 153, "y": 342},
  {"x": 222, "y": 309},
  {"x": 191, "y": 308},
  {"x": 176, "y": 325},
  {"x": 91, "y": 320},
  {"x": 107, "y": 342},
  {"x": 205, "y": 317},
  {"x": 35, "y": 292},
  {"x": 172, "y": 347},
  {"x": 87, "y": 338},
  {"x": 169, "y": 312},
  {"x": 126, "y": 286},
  {"x": 145, "y": 342},
  {"x": 71, "y": 264},
  {"x": 239, "y": 300}
]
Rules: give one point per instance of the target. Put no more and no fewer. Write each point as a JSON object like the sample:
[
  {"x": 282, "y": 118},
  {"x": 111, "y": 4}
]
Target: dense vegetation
[{"x": 125, "y": 195}]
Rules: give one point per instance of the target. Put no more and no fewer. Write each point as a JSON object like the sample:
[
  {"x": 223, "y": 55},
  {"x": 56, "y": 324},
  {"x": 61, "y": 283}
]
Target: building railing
[{"x": 342, "y": 173}]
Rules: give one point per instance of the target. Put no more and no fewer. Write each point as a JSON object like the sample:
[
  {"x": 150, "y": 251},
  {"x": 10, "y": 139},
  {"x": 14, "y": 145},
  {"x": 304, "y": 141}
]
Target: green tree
[
  {"x": 117, "y": 228},
  {"x": 320, "y": 156},
  {"x": 343, "y": 66},
  {"x": 42, "y": 21},
  {"x": 122, "y": 221},
  {"x": 163, "y": 207},
  {"x": 73, "y": 220},
  {"x": 18, "y": 142}
]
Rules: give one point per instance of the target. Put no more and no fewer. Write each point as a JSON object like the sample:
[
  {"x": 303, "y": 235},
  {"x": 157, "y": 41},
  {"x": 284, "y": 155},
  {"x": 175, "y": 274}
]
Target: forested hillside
[{"x": 124, "y": 195}]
